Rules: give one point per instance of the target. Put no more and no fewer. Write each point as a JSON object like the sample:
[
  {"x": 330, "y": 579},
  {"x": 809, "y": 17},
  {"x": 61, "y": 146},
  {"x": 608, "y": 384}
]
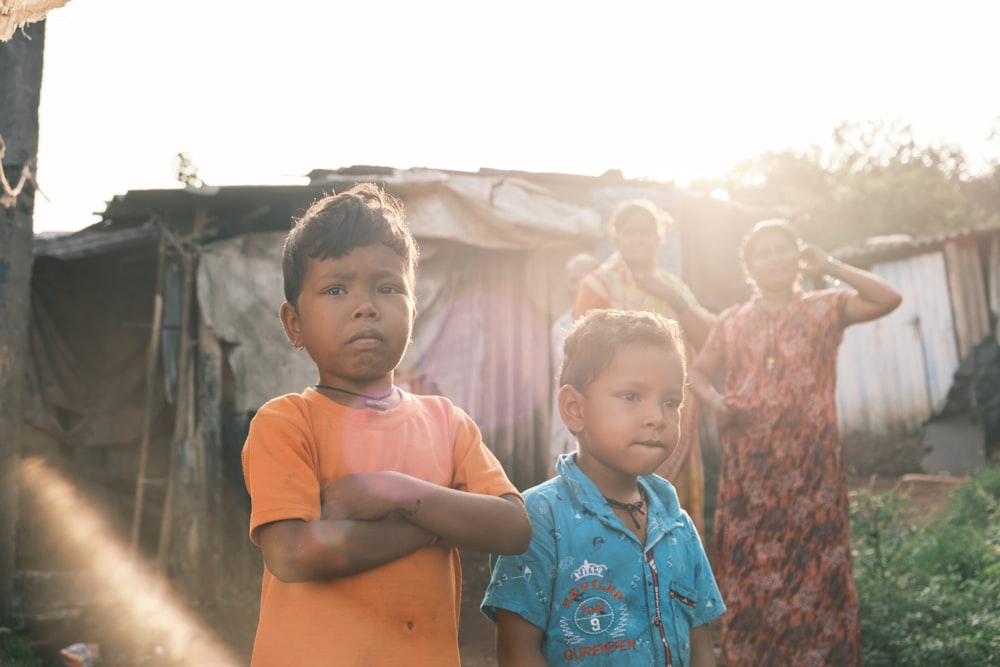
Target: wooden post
[
  {"x": 21, "y": 68},
  {"x": 184, "y": 458},
  {"x": 152, "y": 357},
  {"x": 211, "y": 483}
]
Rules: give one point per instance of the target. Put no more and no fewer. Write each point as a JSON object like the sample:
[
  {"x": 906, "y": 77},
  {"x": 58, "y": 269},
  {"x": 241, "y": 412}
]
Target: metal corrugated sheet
[
  {"x": 895, "y": 371},
  {"x": 993, "y": 277},
  {"x": 901, "y": 246},
  {"x": 968, "y": 293}
]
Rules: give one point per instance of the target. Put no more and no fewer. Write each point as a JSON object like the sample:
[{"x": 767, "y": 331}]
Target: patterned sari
[{"x": 611, "y": 286}]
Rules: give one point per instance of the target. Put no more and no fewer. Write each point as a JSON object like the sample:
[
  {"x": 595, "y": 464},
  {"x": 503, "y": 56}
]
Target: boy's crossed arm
[
  {"x": 369, "y": 519},
  {"x": 297, "y": 551},
  {"x": 475, "y": 521}
]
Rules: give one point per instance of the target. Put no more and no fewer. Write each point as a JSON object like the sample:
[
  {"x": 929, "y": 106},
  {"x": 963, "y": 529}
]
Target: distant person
[
  {"x": 360, "y": 491},
  {"x": 782, "y": 534},
  {"x": 578, "y": 266},
  {"x": 616, "y": 573},
  {"x": 631, "y": 280}
]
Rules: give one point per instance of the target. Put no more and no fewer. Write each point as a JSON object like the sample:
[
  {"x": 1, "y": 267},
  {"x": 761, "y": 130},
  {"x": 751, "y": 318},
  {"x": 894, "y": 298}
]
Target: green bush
[
  {"x": 930, "y": 594},
  {"x": 15, "y": 651}
]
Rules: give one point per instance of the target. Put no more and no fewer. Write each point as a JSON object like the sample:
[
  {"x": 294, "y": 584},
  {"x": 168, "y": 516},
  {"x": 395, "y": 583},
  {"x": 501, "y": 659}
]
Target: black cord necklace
[
  {"x": 373, "y": 402},
  {"x": 631, "y": 508}
]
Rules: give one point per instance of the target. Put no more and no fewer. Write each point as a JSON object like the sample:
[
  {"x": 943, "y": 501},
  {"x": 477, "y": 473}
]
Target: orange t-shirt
[{"x": 401, "y": 613}]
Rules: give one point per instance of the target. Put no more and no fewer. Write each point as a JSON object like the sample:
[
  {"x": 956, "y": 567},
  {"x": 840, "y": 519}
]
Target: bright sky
[{"x": 263, "y": 92}]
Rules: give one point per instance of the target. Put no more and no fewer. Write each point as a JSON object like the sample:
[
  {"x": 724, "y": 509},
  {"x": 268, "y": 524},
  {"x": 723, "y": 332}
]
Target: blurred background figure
[
  {"x": 562, "y": 441},
  {"x": 631, "y": 280}
]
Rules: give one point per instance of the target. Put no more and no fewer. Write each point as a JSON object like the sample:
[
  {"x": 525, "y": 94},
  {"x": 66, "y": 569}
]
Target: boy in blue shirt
[{"x": 616, "y": 573}]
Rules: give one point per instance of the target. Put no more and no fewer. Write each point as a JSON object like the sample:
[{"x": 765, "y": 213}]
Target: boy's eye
[
  {"x": 671, "y": 403},
  {"x": 389, "y": 289},
  {"x": 629, "y": 396},
  {"x": 335, "y": 290}
]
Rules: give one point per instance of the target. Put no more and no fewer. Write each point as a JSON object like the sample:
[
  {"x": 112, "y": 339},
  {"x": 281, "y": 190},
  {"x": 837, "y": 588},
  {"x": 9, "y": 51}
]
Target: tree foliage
[
  {"x": 875, "y": 179},
  {"x": 187, "y": 172}
]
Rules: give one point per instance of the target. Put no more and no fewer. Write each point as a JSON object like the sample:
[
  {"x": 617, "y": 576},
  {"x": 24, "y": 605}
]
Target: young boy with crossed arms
[{"x": 360, "y": 492}]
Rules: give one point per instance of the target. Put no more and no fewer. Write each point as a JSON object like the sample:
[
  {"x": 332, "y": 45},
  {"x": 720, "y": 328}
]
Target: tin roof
[{"x": 899, "y": 246}]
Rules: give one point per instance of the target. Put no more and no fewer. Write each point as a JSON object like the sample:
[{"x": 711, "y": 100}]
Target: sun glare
[{"x": 139, "y": 605}]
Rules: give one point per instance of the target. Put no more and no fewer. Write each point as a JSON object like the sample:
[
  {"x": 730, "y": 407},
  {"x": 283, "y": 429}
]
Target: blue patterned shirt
[{"x": 601, "y": 597}]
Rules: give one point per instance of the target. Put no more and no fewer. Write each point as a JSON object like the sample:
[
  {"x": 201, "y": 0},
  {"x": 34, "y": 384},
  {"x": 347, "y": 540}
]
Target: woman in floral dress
[{"x": 782, "y": 541}]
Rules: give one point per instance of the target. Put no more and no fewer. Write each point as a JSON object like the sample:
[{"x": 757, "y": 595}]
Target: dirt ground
[{"x": 235, "y": 621}]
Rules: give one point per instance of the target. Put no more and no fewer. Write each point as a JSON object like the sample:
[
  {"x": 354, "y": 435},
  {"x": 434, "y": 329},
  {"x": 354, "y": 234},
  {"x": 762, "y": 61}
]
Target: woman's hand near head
[
  {"x": 814, "y": 260},
  {"x": 874, "y": 296}
]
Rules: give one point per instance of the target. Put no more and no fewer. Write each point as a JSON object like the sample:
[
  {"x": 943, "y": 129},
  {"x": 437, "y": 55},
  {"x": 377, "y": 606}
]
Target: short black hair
[
  {"x": 336, "y": 224},
  {"x": 591, "y": 344}
]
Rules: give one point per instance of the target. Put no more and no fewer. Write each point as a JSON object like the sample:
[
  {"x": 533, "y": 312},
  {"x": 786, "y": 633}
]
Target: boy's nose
[
  {"x": 654, "y": 416},
  {"x": 365, "y": 309}
]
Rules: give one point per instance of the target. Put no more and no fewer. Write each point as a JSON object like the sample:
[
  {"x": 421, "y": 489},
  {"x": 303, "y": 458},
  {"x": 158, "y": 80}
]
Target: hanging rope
[{"x": 8, "y": 197}]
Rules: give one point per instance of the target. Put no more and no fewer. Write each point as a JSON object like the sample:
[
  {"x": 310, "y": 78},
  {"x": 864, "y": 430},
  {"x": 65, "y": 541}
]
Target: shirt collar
[{"x": 662, "y": 506}]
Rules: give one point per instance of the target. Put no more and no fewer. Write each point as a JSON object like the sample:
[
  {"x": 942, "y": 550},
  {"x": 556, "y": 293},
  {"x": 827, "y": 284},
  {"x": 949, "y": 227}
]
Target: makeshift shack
[
  {"x": 155, "y": 337},
  {"x": 895, "y": 376}
]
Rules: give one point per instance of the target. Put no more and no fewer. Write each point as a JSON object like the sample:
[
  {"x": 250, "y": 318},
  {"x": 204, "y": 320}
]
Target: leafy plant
[
  {"x": 187, "y": 172},
  {"x": 15, "y": 651},
  {"x": 930, "y": 594}
]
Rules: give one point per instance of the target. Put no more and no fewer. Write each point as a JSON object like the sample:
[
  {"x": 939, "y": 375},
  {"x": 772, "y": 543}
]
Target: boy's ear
[
  {"x": 290, "y": 323},
  {"x": 571, "y": 407}
]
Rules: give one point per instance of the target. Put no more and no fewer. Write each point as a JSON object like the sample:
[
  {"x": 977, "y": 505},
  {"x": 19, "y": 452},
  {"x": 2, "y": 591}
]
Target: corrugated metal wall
[
  {"x": 895, "y": 371},
  {"x": 968, "y": 293},
  {"x": 993, "y": 277}
]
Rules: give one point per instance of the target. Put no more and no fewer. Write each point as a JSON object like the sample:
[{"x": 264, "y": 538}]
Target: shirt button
[{"x": 656, "y": 621}]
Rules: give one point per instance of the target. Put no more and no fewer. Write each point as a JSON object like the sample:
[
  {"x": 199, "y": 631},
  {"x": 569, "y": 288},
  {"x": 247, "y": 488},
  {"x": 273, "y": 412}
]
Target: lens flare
[{"x": 139, "y": 607}]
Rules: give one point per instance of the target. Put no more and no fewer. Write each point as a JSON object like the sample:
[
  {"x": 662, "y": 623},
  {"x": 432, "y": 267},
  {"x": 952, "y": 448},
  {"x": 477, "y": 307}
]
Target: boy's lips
[
  {"x": 367, "y": 334},
  {"x": 650, "y": 443}
]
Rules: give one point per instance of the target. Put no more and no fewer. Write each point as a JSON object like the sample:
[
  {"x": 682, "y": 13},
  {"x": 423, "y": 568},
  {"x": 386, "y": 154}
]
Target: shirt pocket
[{"x": 683, "y": 606}]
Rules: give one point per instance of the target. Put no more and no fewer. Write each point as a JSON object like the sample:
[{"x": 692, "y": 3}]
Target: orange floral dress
[{"x": 783, "y": 553}]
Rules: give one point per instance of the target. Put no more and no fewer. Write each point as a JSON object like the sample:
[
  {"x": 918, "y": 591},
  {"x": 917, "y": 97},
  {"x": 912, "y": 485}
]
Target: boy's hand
[{"x": 364, "y": 497}]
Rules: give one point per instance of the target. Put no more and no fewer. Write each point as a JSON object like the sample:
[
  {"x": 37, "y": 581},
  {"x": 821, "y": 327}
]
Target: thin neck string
[
  {"x": 770, "y": 343},
  {"x": 384, "y": 396},
  {"x": 770, "y": 321},
  {"x": 632, "y": 508}
]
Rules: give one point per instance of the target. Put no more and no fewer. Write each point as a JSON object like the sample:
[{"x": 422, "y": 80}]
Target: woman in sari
[{"x": 630, "y": 280}]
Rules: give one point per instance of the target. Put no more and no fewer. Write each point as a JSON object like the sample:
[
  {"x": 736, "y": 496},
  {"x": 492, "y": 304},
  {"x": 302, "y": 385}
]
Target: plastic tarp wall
[
  {"x": 88, "y": 343},
  {"x": 492, "y": 256}
]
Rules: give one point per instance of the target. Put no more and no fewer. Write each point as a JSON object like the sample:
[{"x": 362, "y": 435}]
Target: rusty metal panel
[
  {"x": 892, "y": 373},
  {"x": 993, "y": 279},
  {"x": 968, "y": 294}
]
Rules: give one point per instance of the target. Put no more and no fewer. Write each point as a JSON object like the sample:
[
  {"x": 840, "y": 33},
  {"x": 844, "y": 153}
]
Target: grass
[
  {"x": 930, "y": 591},
  {"x": 15, "y": 651}
]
